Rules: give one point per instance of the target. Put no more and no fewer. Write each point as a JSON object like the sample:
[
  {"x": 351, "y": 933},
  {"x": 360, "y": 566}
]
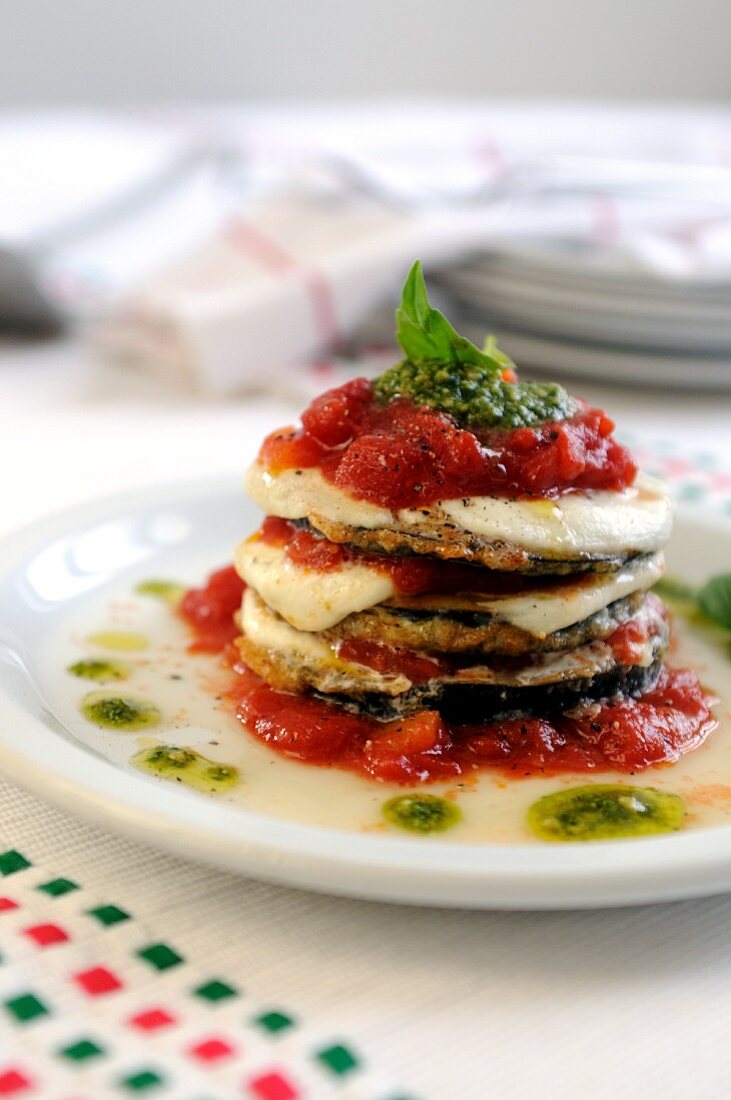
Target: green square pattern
[
  {"x": 26, "y": 1007},
  {"x": 215, "y": 990},
  {"x": 274, "y": 1022},
  {"x": 12, "y": 861},
  {"x": 338, "y": 1059},
  {"x": 140, "y": 1082},
  {"x": 109, "y": 914},
  {"x": 57, "y": 887},
  {"x": 80, "y": 1051},
  {"x": 160, "y": 956}
]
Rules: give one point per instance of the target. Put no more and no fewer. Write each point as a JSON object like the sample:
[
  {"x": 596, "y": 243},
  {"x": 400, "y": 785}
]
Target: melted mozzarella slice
[
  {"x": 635, "y": 520},
  {"x": 542, "y": 611},
  {"x": 638, "y": 519},
  {"x": 311, "y": 600},
  {"x": 266, "y": 630}
]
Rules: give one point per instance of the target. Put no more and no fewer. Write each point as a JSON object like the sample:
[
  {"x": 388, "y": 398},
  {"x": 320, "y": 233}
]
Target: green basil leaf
[
  {"x": 714, "y": 599},
  {"x": 425, "y": 334}
]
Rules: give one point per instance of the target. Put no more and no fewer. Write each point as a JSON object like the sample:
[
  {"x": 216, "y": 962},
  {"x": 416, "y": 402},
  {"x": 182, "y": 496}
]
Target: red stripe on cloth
[
  {"x": 270, "y": 255},
  {"x": 260, "y": 247},
  {"x": 490, "y": 158},
  {"x": 605, "y": 229},
  {"x": 323, "y": 306}
]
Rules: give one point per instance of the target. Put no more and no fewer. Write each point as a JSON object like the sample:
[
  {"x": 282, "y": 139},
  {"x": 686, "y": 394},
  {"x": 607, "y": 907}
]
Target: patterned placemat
[
  {"x": 697, "y": 477},
  {"x": 93, "y": 1004}
]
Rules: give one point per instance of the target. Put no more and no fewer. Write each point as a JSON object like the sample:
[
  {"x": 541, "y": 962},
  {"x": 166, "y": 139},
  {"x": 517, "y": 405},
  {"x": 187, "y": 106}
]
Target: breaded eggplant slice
[
  {"x": 460, "y": 631},
  {"x": 292, "y": 660},
  {"x": 462, "y": 607},
  {"x": 448, "y": 541},
  {"x": 573, "y": 532}
]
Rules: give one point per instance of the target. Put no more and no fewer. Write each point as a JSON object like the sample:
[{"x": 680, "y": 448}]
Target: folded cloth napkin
[
  {"x": 288, "y": 281},
  {"x": 262, "y": 238}
]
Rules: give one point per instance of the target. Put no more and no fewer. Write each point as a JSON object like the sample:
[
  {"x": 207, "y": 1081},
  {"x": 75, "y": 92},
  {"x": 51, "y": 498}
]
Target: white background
[{"x": 87, "y": 51}]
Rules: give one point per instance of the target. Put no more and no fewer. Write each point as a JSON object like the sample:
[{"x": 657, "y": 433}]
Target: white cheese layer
[
  {"x": 637, "y": 519},
  {"x": 307, "y": 598},
  {"x": 543, "y": 611},
  {"x": 312, "y": 601},
  {"x": 265, "y": 629}
]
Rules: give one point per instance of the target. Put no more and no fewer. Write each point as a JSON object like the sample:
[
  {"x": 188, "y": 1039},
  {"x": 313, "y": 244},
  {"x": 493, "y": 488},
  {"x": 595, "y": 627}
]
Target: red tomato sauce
[
  {"x": 411, "y": 576},
  {"x": 400, "y": 456},
  {"x": 625, "y": 735},
  {"x": 209, "y": 611},
  {"x": 386, "y": 658}
]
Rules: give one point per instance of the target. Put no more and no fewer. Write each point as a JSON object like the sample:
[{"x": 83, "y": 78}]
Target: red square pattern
[
  {"x": 46, "y": 935},
  {"x": 13, "y": 1082},
  {"x": 211, "y": 1050},
  {"x": 7, "y": 904},
  {"x": 97, "y": 981},
  {"x": 271, "y": 1086},
  {"x": 151, "y": 1019}
]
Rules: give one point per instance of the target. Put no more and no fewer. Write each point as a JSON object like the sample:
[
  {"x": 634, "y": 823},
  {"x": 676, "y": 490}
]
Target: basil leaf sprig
[
  {"x": 425, "y": 334},
  {"x": 447, "y": 372},
  {"x": 711, "y": 602}
]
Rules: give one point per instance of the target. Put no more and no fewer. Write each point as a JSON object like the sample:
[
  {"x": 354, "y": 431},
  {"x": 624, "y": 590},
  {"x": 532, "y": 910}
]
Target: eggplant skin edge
[{"x": 477, "y": 703}]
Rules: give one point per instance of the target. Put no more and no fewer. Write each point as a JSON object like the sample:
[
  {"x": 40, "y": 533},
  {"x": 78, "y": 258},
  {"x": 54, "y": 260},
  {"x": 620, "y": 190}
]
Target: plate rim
[{"x": 412, "y": 870}]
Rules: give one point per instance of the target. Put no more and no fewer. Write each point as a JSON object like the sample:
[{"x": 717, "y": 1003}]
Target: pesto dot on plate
[
  {"x": 119, "y": 712},
  {"x": 605, "y": 811},
  {"x": 169, "y": 591},
  {"x": 187, "y": 766},
  {"x": 421, "y": 813},
  {"x": 100, "y": 670}
]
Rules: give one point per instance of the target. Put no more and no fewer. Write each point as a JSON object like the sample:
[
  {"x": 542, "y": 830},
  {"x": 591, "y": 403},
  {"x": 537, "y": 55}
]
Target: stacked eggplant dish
[{"x": 454, "y": 571}]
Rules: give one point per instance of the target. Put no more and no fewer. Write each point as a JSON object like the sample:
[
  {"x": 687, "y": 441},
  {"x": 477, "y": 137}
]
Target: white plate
[{"x": 65, "y": 565}]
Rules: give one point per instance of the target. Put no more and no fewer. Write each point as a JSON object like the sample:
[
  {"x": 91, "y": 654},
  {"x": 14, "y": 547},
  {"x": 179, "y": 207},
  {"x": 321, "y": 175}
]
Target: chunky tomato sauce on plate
[{"x": 624, "y": 735}]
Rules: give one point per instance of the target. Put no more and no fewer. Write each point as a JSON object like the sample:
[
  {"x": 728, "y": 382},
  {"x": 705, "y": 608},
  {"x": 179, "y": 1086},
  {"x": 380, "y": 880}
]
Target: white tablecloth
[{"x": 629, "y": 1003}]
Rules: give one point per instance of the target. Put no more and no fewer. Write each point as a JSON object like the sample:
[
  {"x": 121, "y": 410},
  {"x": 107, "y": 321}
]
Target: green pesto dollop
[
  {"x": 99, "y": 670},
  {"x": 605, "y": 812},
  {"x": 447, "y": 372},
  {"x": 474, "y": 395},
  {"x": 187, "y": 766},
  {"x": 169, "y": 591},
  {"x": 421, "y": 813},
  {"x": 119, "y": 712}
]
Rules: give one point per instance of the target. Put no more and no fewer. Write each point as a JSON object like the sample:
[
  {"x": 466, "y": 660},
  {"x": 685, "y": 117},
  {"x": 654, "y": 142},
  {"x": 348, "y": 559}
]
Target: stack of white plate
[{"x": 570, "y": 308}]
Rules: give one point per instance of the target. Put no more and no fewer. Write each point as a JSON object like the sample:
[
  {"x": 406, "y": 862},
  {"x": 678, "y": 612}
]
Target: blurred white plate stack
[{"x": 576, "y": 308}]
